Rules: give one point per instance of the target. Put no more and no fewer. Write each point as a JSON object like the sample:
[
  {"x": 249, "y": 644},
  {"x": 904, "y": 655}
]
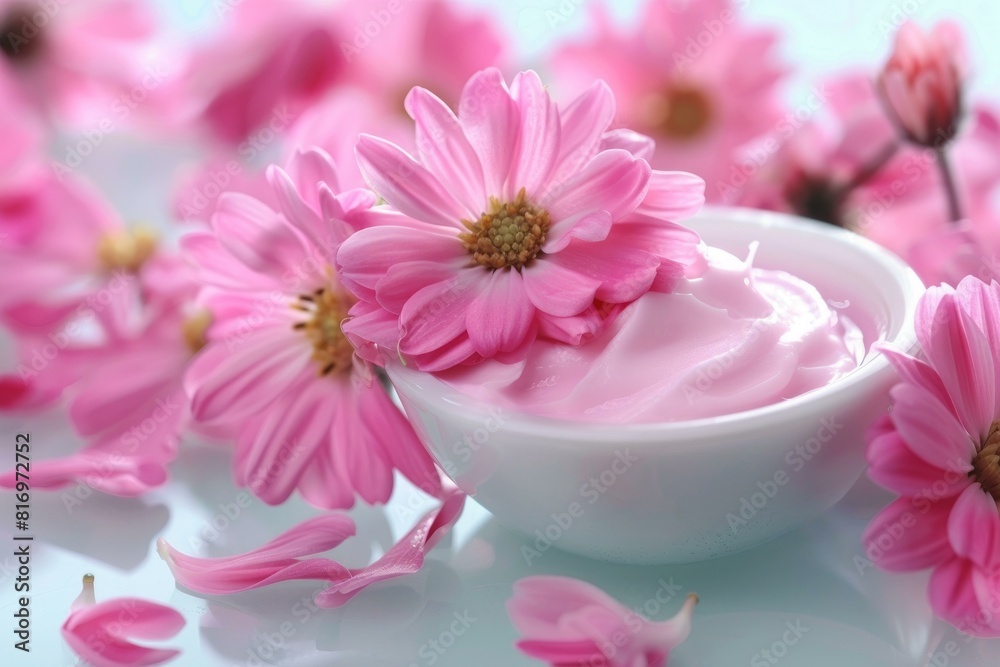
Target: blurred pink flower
[
  {"x": 691, "y": 75},
  {"x": 939, "y": 448},
  {"x": 71, "y": 255},
  {"x": 262, "y": 69},
  {"x": 127, "y": 399},
  {"x": 336, "y": 123},
  {"x": 848, "y": 168},
  {"x": 515, "y": 217},
  {"x": 814, "y": 167},
  {"x": 436, "y": 44},
  {"x": 569, "y": 622},
  {"x": 921, "y": 84},
  {"x": 77, "y": 57},
  {"x": 278, "y": 370},
  {"x": 282, "y": 559},
  {"x": 100, "y": 633}
]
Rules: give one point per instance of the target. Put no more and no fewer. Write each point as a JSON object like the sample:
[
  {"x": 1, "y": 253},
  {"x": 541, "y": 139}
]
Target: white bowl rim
[{"x": 767, "y": 416}]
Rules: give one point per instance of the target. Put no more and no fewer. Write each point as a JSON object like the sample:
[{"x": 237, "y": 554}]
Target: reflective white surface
[{"x": 813, "y": 580}]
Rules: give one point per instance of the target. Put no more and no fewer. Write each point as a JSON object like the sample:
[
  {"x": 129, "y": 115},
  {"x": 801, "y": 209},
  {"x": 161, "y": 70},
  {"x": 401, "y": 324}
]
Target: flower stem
[{"x": 948, "y": 176}]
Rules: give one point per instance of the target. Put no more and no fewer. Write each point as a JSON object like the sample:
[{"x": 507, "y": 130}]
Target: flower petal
[
  {"x": 931, "y": 430},
  {"x": 613, "y": 181},
  {"x": 97, "y": 633},
  {"x": 276, "y": 561},
  {"x": 909, "y": 534},
  {"x": 406, "y": 184},
  {"x": 974, "y": 527},
  {"x": 436, "y": 314},
  {"x": 672, "y": 195},
  {"x": 405, "y": 557},
  {"x": 490, "y": 119},
  {"x": 960, "y": 353},
  {"x": 954, "y": 597},
  {"x": 538, "y": 141},
  {"x": 445, "y": 151},
  {"x": 557, "y": 290},
  {"x": 893, "y": 465},
  {"x": 500, "y": 317},
  {"x": 584, "y": 121}
]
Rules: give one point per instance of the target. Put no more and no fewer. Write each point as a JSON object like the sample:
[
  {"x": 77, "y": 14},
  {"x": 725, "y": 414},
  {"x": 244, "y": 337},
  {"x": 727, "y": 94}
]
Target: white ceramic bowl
[{"x": 686, "y": 491}]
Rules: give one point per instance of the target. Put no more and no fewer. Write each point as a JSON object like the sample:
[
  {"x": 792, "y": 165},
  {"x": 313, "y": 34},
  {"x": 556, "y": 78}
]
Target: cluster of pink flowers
[{"x": 369, "y": 188}]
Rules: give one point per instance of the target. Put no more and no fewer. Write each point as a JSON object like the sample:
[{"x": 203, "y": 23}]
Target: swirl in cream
[{"x": 731, "y": 338}]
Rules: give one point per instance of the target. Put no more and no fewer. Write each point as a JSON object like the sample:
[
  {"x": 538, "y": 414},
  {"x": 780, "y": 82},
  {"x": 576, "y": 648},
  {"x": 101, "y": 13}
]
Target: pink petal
[
  {"x": 406, "y": 184},
  {"x": 557, "y": 290},
  {"x": 114, "y": 474},
  {"x": 491, "y": 120},
  {"x": 538, "y": 142},
  {"x": 954, "y": 597},
  {"x": 256, "y": 235},
  {"x": 276, "y": 561},
  {"x": 960, "y": 353},
  {"x": 672, "y": 195},
  {"x": 982, "y": 302},
  {"x": 387, "y": 425},
  {"x": 499, "y": 318},
  {"x": 405, "y": 279},
  {"x": 626, "y": 272},
  {"x": 568, "y": 622},
  {"x": 458, "y": 351},
  {"x": 909, "y": 534},
  {"x": 436, "y": 315},
  {"x": 613, "y": 181},
  {"x": 446, "y": 152},
  {"x": 226, "y": 385},
  {"x": 917, "y": 372},
  {"x": 893, "y": 465},
  {"x": 405, "y": 557},
  {"x": 366, "y": 257},
  {"x": 974, "y": 527},
  {"x": 274, "y": 449},
  {"x": 99, "y": 633},
  {"x": 571, "y": 330},
  {"x": 583, "y": 123},
  {"x": 637, "y": 144},
  {"x": 540, "y": 602},
  {"x": 364, "y": 461},
  {"x": 931, "y": 430}
]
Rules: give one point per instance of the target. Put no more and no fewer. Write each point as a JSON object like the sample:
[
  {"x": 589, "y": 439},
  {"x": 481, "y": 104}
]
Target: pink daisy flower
[
  {"x": 568, "y": 622},
  {"x": 689, "y": 74},
  {"x": 126, "y": 396},
  {"x": 513, "y": 219},
  {"x": 75, "y": 56},
  {"x": 73, "y": 256},
  {"x": 437, "y": 44},
  {"x": 939, "y": 448},
  {"x": 264, "y": 68},
  {"x": 278, "y": 370}
]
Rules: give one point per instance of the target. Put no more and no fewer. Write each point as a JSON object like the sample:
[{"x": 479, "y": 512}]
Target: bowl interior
[{"x": 869, "y": 284}]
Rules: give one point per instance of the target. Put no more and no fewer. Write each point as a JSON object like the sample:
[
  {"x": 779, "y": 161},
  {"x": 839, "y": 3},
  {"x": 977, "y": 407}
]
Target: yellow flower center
[
  {"x": 126, "y": 250},
  {"x": 326, "y": 309},
  {"x": 193, "y": 330},
  {"x": 682, "y": 112},
  {"x": 986, "y": 465},
  {"x": 508, "y": 235}
]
